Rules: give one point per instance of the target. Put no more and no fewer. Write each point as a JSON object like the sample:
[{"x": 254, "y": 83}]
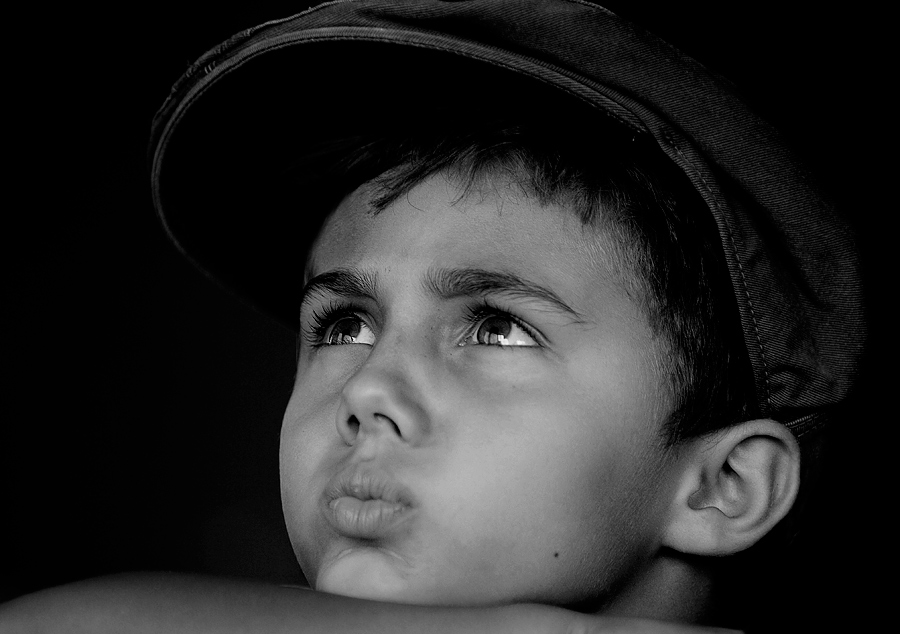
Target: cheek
[
  {"x": 310, "y": 415},
  {"x": 543, "y": 524},
  {"x": 307, "y": 430},
  {"x": 311, "y": 411},
  {"x": 577, "y": 485},
  {"x": 298, "y": 430}
]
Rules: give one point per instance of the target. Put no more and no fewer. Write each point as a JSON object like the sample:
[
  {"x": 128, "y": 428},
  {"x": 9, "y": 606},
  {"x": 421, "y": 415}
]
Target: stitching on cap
[
  {"x": 712, "y": 197},
  {"x": 806, "y": 424}
]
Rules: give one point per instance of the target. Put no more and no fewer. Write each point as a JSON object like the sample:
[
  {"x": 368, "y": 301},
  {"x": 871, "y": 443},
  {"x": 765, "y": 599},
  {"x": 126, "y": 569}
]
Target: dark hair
[{"x": 620, "y": 182}]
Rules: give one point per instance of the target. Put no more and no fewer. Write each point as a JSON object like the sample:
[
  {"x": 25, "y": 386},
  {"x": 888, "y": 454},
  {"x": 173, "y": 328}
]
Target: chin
[{"x": 367, "y": 575}]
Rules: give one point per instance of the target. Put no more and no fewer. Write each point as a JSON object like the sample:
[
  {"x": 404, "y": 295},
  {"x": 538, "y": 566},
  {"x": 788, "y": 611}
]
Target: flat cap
[{"x": 272, "y": 93}]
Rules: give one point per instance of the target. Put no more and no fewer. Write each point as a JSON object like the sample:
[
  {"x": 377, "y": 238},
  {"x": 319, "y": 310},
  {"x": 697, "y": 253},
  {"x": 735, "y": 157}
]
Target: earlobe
[{"x": 737, "y": 484}]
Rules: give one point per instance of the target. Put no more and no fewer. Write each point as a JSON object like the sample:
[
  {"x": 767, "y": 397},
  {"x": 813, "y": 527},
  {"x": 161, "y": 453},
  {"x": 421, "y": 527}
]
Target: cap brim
[{"x": 237, "y": 176}]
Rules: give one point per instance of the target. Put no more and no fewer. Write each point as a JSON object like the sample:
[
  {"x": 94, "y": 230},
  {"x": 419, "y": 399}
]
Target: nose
[{"x": 380, "y": 402}]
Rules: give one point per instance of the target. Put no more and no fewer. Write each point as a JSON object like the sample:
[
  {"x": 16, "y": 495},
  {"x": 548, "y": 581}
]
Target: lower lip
[{"x": 365, "y": 519}]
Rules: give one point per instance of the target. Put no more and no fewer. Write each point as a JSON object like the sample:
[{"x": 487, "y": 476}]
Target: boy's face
[{"x": 476, "y": 412}]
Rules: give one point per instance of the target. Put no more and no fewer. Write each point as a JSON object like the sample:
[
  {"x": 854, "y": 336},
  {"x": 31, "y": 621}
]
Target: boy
[{"x": 619, "y": 370}]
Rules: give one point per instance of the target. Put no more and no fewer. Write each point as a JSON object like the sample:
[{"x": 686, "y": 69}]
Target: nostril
[
  {"x": 353, "y": 426},
  {"x": 389, "y": 421}
]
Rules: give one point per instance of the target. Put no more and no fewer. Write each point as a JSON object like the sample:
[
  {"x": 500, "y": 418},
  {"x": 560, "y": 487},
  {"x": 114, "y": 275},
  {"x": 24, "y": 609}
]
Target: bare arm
[{"x": 178, "y": 603}]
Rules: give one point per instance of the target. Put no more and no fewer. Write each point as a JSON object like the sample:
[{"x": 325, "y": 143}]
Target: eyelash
[{"x": 322, "y": 319}]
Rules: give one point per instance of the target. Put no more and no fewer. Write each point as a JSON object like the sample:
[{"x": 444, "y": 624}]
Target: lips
[{"x": 364, "y": 502}]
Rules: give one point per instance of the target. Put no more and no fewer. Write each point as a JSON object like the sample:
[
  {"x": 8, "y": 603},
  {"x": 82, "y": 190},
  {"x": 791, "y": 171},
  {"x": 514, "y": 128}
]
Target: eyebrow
[
  {"x": 463, "y": 282},
  {"x": 343, "y": 282},
  {"x": 445, "y": 283}
]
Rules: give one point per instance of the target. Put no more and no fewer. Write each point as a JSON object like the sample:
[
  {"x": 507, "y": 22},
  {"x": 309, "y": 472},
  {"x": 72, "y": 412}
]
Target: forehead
[{"x": 496, "y": 227}]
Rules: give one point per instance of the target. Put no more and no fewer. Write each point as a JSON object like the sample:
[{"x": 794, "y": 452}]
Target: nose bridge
[{"x": 384, "y": 397}]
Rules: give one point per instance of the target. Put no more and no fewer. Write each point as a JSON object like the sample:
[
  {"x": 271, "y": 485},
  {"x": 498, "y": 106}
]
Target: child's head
[
  {"x": 501, "y": 343},
  {"x": 558, "y": 323}
]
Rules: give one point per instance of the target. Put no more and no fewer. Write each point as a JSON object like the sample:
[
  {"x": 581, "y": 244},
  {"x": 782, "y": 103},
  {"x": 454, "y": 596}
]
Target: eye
[
  {"x": 335, "y": 324},
  {"x": 500, "y": 329},
  {"x": 348, "y": 329}
]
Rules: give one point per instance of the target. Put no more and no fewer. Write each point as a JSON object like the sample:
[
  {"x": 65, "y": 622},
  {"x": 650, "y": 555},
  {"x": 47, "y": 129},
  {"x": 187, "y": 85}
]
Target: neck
[{"x": 674, "y": 587}]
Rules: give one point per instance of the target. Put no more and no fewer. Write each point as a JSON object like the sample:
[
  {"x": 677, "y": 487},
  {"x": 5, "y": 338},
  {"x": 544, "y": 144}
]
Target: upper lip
[{"x": 366, "y": 482}]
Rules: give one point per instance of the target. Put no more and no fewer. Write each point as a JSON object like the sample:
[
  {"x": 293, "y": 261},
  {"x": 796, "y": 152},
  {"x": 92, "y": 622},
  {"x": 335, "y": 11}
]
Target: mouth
[{"x": 365, "y": 503}]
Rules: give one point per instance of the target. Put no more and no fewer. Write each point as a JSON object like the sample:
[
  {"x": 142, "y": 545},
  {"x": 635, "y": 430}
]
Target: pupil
[
  {"x": 344, "y": 330},
  {"x": 493, "y": 328}
]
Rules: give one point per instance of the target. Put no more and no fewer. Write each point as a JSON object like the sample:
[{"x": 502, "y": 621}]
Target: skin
[{"x": 532, "y": 466}]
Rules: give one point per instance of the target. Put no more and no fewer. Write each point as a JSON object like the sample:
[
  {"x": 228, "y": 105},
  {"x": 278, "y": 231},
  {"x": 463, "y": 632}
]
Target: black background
[{"x": 142, "y": 403}]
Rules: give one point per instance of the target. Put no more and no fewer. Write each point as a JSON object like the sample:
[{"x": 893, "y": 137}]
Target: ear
[{"x": 737, "y": 484}]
